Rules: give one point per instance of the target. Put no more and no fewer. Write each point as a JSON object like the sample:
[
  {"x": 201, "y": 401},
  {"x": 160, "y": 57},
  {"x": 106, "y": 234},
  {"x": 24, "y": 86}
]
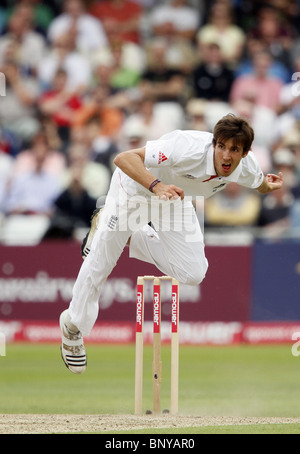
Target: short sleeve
[
  {"x": 251, "y": 176},
  {"x": 166, "y": 151}
]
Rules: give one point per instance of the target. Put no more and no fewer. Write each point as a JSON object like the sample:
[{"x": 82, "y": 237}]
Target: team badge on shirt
[{"x": 112, "y": 222}]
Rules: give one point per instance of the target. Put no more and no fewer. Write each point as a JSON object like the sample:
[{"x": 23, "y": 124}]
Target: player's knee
[
  {"x": 197, "y": 276},
  {"x": 192, "y": 275}
]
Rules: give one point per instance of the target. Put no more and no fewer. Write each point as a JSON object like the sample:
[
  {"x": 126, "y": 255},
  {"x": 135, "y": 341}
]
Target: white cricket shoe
[{"x": 72, "y": 347}]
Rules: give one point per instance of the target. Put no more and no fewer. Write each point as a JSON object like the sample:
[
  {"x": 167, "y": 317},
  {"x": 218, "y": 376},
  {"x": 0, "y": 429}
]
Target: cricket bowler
[{"x": 161, "y": 177}]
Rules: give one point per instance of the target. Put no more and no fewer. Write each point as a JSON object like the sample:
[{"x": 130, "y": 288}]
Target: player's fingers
[
  {"x": 163, "y": 197},
  {"x": 178, "y": 191},
  {"x": 169, "y": 195},
  {"x": 272, "y": 177}
]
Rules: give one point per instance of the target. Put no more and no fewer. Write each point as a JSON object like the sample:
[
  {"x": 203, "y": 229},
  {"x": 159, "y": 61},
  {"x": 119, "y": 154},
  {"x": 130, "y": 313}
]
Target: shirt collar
[{"x": 210, "y": 167}]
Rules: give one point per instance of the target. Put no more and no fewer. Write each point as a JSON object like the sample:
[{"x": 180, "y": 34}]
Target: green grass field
[{"x": 243, "y": 381}]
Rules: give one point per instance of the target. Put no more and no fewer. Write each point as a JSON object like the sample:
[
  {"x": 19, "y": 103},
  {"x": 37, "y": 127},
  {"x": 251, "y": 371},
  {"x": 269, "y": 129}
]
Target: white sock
[{"x": 72, "y": 328}]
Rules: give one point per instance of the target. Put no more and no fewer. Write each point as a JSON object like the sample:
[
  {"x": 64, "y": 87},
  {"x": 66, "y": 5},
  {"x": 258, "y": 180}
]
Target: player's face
[{"x": 227, "y": 156}]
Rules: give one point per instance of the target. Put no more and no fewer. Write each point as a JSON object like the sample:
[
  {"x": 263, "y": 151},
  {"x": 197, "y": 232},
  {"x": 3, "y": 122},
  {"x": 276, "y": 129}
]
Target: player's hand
[
  {"x": 275, "y": 181},
  {"x": 168, "y": 191}
]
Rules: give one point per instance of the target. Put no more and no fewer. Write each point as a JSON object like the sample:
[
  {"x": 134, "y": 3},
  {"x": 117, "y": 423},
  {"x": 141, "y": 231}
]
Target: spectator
[
  {"x": 60, "y": 105},
  {"x": 103, "y": 148},
  {"x": 159, "y": 80},
  {"x": 73, "y": 208},
  {"x": 53, "y": 162},
  {"x": 212, "y": 79},
  {"x": 166, "y": 85},
  {"x": 144, "y": 123},
  {"x": 18, "y": 106},
  {"x": 102, "y": 73},
  {"x": 274, "y": 32},
  {"x": 97, "y": 105},
  {"x": 98, "y": 128},
  {"x": 195, "y": 111},
  {"x": 180, "y": 53},
  {"x": 88, "y": 31},
  {"x": 253, "y": 46},
  {"x": 289, "y": 95},
  {"x": 42, "y": 13},
  {"x": 285, "y": 162},
  {"x": 131, "y": 55},
  {"x": 176, "y": 23},
  {"x": 95, "y": 177},
  {"x": 262, "y": 119},
  {"x": 33, "y": 191},
  {"x": 275, "y": 210},
  {"x": 177, "y": 18},
  {"x": 289, "y": 103},
  {"x": 122, "y": 15},
  {"x": 26, "y": 45},
  {"x": 51, "y": 132},
  {"x": 64, "y": 55},
  {"x": 235, "y": 206},
  {"x": 221, "y": 28},
  {"x": 265, "y": 90},
  {"x": 206, "y": 113},
  {"x": 134, "y": 133},
  {"x": 290, "y": 140},
  {"x": 122, "y": 77}
]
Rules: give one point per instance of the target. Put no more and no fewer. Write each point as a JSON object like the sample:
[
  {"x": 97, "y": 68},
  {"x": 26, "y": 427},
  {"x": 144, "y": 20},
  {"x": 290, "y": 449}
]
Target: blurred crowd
[{"x": 81, "y": 81}]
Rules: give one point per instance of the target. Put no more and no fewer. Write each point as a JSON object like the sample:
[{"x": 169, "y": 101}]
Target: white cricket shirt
[{"x": 186, "y": 159}]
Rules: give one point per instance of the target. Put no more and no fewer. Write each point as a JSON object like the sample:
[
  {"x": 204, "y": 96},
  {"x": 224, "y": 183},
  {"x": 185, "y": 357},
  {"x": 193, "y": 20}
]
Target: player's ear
[{"x": 245, "y": 153}]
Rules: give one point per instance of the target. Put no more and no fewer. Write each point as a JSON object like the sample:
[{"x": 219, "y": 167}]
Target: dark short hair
[{"x": 233, "y": 127}]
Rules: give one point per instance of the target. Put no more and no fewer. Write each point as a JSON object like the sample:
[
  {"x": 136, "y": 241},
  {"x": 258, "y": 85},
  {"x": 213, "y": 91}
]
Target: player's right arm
[{"x": 132, "y": 163}]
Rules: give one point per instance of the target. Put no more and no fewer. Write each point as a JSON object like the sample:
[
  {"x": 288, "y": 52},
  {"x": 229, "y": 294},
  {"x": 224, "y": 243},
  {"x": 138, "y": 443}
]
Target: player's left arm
[{"x": 271, "y": 183}]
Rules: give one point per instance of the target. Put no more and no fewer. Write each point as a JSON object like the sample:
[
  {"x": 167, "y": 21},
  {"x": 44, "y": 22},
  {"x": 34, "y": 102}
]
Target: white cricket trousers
[{"x": 175, "y": 247}]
